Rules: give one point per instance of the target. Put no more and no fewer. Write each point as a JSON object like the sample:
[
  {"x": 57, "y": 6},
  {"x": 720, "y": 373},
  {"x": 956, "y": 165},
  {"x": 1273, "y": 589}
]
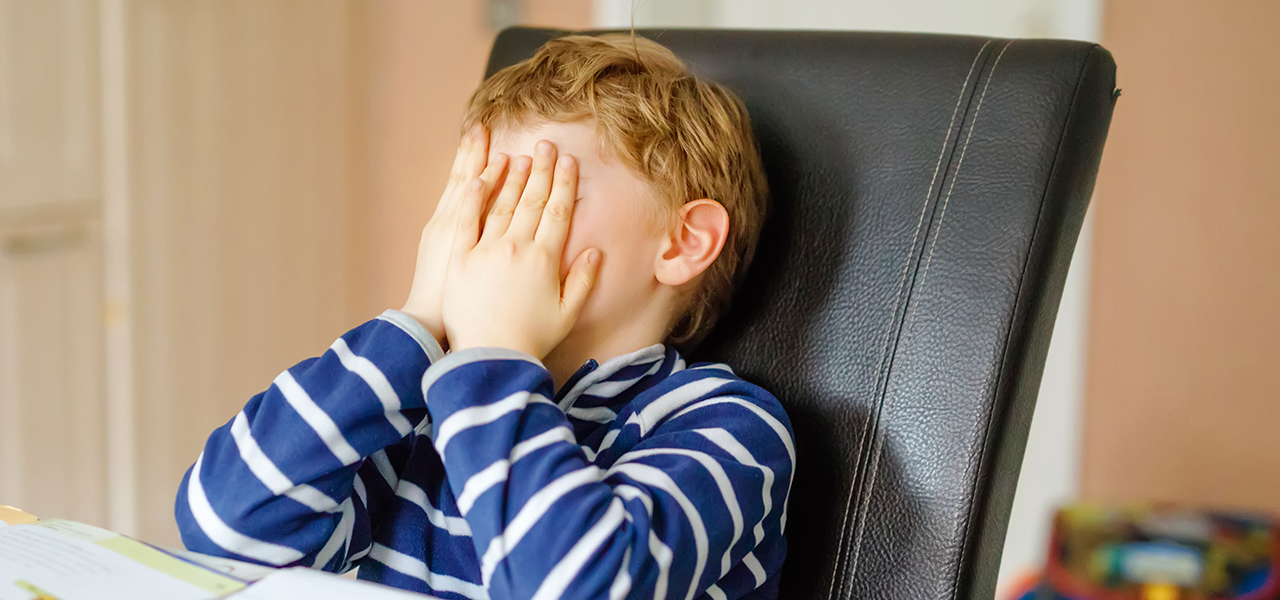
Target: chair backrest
[{"x": 927, "y": 193}]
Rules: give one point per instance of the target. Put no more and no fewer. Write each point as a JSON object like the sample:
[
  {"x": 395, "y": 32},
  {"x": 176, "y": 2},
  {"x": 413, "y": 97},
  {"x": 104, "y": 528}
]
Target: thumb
[{"x": 579, "y": 283}]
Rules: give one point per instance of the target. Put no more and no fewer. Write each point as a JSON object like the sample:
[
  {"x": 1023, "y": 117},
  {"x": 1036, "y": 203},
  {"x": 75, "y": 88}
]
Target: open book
[{"x": 56, "y": 559}]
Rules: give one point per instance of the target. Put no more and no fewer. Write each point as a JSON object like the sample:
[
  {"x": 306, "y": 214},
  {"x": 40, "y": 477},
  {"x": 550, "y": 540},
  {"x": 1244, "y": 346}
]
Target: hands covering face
[
  {"x": 503, "y": 271},
  {"x": 427, "y": 293}
]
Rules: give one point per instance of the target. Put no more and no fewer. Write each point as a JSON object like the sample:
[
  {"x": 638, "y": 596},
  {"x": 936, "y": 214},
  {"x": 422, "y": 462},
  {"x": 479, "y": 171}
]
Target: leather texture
[{"x": 927, "y": 192}]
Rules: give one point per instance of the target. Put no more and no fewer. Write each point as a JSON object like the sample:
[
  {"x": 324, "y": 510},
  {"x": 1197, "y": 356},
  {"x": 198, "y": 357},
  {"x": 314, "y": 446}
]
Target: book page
[
  {"x": 64, "y": 560},
  {"x": 300, "y": 583},
  {"x": 243, "y": 571}
]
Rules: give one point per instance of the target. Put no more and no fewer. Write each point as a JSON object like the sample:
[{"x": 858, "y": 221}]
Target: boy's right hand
[{"x": 426, "y": 295}]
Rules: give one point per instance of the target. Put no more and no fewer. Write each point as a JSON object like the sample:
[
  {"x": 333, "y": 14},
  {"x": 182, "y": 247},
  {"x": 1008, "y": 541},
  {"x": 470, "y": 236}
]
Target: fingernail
[
  {"x": 566, "y": 160},
  {"x": 476, "y": 184},
  {"x": 593, "y": 257},
  {"x": 545, "y": 148},
  {"x": 524, "y": 163}
]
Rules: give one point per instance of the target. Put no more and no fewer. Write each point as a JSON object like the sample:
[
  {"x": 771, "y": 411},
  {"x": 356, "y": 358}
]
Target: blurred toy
[{"x": 1160, "y": 553}]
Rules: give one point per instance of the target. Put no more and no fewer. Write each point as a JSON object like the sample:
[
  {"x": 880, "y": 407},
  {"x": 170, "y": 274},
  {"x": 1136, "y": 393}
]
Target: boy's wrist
[
  {"x": 433, "y": 327},
  {"x": 414, "y": 328}
]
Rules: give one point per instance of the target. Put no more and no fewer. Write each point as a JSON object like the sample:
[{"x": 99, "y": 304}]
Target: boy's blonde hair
[{"x": 688, "y": 138}]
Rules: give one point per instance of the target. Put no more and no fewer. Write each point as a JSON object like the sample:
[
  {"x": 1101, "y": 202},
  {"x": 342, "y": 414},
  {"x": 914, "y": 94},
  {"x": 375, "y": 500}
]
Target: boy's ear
[{"x": 693, "y": 242}]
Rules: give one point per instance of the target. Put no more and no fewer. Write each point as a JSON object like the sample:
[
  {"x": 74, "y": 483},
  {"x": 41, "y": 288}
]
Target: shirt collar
[{"x": 598, "y": 385}]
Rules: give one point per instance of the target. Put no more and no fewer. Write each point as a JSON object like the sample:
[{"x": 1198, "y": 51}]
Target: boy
[{"x": 468, "y": 475}]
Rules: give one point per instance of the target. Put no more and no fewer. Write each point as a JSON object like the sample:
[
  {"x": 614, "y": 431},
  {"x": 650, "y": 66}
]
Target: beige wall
[
  {"x": 245, "y": 159},
  {"x": 1183, "y": 393}
]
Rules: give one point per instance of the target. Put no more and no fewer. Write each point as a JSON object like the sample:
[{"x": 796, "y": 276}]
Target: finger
[
  {"x": 499, "y": 218},
  {"x": 477, "y": 153},
  {"x": 582, "y": 277},
  {"x": 468, "y": 228},
  {"x": 529, "y": 211},
  {"x": 553, "y": 229},
  {"x": 492, "y": 173},
  {"x": 455, "y": 171}
]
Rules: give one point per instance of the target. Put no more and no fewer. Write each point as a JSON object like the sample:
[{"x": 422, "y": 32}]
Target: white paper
[
  {"x": 63, "y": 560},
  {"x": 307, "y": 584}
]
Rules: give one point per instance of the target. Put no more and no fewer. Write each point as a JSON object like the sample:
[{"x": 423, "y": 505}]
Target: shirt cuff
[
  {"x": 411, "y": 326},
  {"x": 468, "y": 356}
]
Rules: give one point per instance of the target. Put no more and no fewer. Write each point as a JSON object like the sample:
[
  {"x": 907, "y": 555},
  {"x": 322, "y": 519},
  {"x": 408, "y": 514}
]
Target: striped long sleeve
[
  {"x": 301, "y": 473},
  {"x": 684, "y": 496}
]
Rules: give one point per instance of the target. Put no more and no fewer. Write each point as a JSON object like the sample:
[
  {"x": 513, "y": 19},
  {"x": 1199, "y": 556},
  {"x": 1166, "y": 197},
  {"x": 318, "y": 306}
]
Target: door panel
[{"x": 51, "y": 413}]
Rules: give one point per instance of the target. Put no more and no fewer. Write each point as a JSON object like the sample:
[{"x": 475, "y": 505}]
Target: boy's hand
[
  {"x": 426, "y": 295},
  {"x": 504, "y": 284}
]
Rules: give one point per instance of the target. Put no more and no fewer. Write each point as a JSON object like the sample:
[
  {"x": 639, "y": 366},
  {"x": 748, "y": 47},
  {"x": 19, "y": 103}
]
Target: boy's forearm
[{"x": 279, "y": 481}]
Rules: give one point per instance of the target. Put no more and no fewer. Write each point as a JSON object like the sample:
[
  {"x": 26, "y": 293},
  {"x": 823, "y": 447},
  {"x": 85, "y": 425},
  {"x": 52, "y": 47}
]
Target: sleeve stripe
[
  {"x": 475, "y": 416},
  {"x": 656, "y": 477},
  {"x": 769, "y": 420},
  {"x": 773, "y": 424},
  {"x": 606, "y": 443},
  {"x": 757, "y": 570},
  {"x": 567, "y": 569},
  {"x": 482, "y": 482},
  {"x": 417, "y": 569},
  {"x": 456, "y": 526},
  {"x": 716, "y": 593},
  {"x": 595, "y": 414},
  {"x": 266, "y": 471},
  {"x": 411, "y": 326},
  {"x": 622, "y": 585},
  {"x": 546, "y": 438},
  {"x": 376, "y": 381},
  {"x": 731, "y": 445},
  {"x": 223, "y": 535},
  {"x": 341, "y": 536},
  {"x": 722, "y": 482},
  {"x": 675, "y": 399},
  {"x": 498, "y": 472},
  {"x": 662, "y": 553},
  {"x": 357, "y": 485},
  {"x": 664, "y": 556},
  {"x": 319, "y": 420},
  {"x": 631, "y": 492},
  {"x": 452, "y": 361},
  {"x": 532, "y": 511},
  {"x": 384, "y": 468}
]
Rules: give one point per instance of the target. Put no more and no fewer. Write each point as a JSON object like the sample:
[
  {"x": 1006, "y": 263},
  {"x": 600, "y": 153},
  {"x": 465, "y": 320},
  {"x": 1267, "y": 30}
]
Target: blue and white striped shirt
[{"x": 463, "y": 476}]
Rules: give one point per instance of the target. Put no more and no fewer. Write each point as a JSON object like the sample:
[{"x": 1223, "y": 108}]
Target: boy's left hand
[{"x": 504, "y": 285}]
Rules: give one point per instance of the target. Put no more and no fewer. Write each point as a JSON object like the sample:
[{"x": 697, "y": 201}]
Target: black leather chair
[{"x": 927, "y": 195}]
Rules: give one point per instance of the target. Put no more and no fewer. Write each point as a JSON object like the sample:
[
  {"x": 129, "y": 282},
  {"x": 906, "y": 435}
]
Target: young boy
[{"x": 607, "y": 218}]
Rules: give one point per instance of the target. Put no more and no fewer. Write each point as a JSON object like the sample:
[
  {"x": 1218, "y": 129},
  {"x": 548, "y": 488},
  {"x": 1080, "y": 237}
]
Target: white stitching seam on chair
[
  {"x": 879, "y": 441},
  {"x": 897, "y": 293}
]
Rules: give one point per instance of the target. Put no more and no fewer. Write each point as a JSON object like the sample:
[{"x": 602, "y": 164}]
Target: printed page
[
  {"x": 307, "y": 584},
  {"x": 64, "y": 560}
]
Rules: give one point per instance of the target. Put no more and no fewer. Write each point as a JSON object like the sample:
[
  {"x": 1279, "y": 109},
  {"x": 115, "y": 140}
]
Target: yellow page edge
[{"x": 148, "y": 556}]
